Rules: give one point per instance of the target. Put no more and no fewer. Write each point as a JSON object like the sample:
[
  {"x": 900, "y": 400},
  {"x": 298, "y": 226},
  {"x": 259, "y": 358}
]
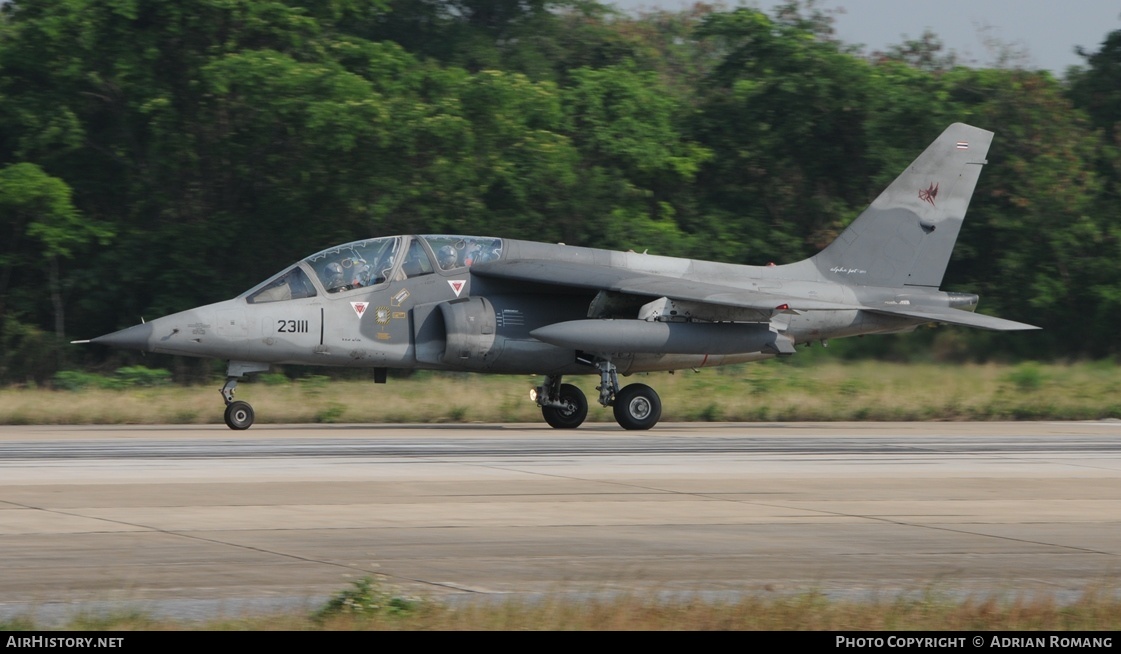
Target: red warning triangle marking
[
  {"x": 457, "y": 285},
  {"x": 359, "y": 307}
]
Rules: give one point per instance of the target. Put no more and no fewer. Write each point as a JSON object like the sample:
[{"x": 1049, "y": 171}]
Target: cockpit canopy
[
  {"x": 375, "y": 261},
  {"x": 357, "y": 264}
]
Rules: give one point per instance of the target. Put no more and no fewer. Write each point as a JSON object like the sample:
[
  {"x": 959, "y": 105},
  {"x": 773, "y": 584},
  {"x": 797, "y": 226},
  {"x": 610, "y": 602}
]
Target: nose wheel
[{"x": 239, "y": 415}]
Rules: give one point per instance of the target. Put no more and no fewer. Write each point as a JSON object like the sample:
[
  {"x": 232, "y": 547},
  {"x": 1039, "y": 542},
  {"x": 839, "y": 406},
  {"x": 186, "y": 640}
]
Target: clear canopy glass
[{"x": 375, "y": 261}]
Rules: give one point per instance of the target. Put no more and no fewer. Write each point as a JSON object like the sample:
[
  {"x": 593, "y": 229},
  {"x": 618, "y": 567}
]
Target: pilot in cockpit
[
  {"x": 362, "y": 274},
  {"x": 447, "y": 258},
  {"x": 335, "y": 277}
]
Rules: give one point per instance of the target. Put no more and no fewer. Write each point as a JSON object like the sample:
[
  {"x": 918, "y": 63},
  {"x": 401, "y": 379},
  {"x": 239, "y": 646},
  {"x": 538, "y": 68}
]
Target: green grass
[
  {"x": 369, "y": 605},
  {"x": 830, "y": 390}
]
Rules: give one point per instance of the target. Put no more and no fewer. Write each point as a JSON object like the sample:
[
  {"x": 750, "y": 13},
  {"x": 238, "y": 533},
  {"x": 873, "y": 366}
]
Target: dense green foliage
[{"x": 160, "y": 154}]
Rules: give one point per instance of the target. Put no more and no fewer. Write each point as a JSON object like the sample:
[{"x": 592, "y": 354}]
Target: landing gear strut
[
  {"x": 239, "y": 415},
  {"x": 564, "y": 406},
  {"x": 636, "y": 406}
]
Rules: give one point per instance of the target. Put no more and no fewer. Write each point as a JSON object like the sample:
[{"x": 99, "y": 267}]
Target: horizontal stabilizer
[{"x": 959, "y": 317}]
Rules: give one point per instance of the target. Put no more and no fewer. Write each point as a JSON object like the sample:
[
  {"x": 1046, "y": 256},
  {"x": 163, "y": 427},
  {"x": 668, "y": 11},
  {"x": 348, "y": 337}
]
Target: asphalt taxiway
[{"x": 283, "y": 515}]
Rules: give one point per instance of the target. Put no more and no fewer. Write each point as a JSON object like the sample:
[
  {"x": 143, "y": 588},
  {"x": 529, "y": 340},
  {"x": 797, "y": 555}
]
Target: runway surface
[{"x": 199, "y": 521}]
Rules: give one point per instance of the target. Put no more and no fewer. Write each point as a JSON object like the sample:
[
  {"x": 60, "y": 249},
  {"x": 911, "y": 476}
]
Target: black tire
[
  {"x": 559, "y": 418},
  {"x": 637, "y": 407},
  {"x": 239, "y": 415}
]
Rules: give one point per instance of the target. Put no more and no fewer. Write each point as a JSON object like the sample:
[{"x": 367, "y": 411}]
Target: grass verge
[
  {"x": 765, "y": 391},
  {"x": 369, "y": 605}
]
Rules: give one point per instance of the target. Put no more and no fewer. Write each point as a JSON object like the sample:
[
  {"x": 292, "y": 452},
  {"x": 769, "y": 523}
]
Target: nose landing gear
[{"x": 239, "y": 415}]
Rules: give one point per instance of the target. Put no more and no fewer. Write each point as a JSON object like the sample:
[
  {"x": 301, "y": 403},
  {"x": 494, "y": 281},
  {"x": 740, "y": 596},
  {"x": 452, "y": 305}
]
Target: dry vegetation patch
[{"x": 766, "y": 391}]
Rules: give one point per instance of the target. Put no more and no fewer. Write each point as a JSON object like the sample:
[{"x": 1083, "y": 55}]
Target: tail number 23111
[{"x": 292, "y": 326}]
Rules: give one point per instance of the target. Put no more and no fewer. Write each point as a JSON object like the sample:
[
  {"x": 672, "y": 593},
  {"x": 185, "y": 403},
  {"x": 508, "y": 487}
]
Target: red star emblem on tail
[{"x": 928, "y": 194}]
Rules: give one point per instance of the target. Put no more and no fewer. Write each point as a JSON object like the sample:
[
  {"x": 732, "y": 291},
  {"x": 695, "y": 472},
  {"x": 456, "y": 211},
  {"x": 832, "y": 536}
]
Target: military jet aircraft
[{"x": 494, "y": 305}]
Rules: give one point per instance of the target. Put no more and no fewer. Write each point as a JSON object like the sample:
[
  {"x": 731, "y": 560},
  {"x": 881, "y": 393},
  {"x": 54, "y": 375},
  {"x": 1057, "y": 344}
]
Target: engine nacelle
[{"x": 469, "y": 338}]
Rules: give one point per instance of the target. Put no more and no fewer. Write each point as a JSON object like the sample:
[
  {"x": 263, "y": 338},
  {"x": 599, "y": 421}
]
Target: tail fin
[{"x": 905, "y": 237}]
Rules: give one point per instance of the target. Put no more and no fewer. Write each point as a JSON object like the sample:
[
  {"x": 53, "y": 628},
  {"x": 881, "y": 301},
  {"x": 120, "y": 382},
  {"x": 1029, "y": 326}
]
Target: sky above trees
[{"x": 1043, "y": 34}]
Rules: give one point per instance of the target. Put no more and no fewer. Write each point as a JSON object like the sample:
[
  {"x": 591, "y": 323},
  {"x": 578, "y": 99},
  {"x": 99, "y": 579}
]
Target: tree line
[{"x": 158, "y": 154}]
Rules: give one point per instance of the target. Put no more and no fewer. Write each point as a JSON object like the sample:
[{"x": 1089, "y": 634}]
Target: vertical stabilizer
[{"x": 905, "y": 237}]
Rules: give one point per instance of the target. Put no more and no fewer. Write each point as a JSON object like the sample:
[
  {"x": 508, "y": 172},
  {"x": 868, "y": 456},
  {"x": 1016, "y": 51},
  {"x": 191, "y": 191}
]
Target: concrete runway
[{"x": 199, "y": 521}]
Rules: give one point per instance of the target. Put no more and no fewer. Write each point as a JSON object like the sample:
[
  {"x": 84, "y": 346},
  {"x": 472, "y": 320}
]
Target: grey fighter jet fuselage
[{"x": 492, "y": 305}]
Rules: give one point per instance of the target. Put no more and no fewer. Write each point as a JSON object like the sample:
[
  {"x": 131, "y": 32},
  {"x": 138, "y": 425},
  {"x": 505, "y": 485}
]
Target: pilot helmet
[
  {"x": 334, "y": 271},
  {"x": 473, "y": 252},
  {"x": 362, "y": 274},
  {"x": 446, "y": 257}
]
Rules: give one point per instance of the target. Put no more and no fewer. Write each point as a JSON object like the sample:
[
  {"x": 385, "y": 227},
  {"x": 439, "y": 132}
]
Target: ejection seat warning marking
[
  {"x": 359, "y": 307},
  {"x": 457, "y": 285}
]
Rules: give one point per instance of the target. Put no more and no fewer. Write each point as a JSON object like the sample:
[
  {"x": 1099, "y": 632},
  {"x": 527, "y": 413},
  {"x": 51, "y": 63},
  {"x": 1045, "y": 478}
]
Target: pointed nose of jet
[{"x": 137, "y": 337}]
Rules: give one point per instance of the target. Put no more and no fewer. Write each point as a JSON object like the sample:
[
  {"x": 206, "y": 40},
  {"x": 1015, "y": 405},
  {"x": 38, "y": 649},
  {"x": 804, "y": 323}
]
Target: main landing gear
[
  {"x": 239, "y": 415},
  {"x": 564, "y": 406}
]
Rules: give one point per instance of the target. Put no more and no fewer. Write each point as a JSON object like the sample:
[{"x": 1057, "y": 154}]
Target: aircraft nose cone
[{"x": 137, "y": 337}]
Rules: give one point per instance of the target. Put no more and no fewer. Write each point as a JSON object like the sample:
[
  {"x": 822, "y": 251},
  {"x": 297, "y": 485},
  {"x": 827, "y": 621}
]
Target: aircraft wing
[{"x": 622, "y": 280}]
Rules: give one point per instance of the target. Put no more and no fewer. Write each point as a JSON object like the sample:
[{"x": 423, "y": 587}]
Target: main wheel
[
  {"x": 637, "y": 407},
  {"x": 239, "y": 415},
  {"x": 572, "y": 416}
]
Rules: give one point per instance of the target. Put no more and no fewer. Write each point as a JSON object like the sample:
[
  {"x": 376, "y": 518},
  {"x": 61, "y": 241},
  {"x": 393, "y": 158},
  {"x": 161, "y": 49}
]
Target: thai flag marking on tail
[{"x": 963, "y": 145}]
